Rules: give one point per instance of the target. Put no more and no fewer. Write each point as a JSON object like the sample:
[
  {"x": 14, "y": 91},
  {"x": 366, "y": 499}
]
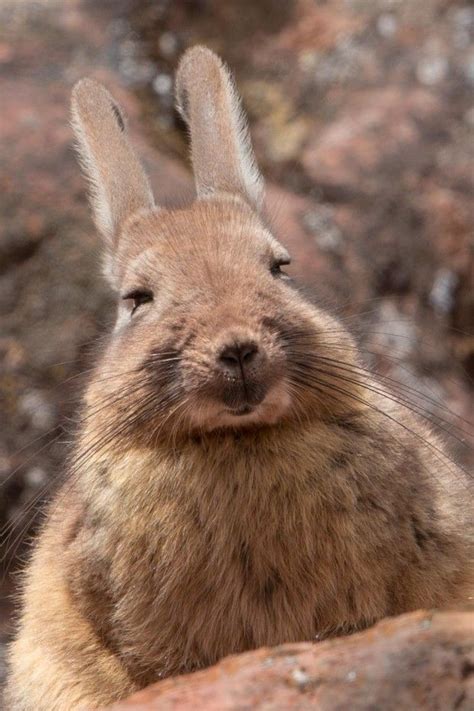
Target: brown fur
[{"x": 186, "y": 530}]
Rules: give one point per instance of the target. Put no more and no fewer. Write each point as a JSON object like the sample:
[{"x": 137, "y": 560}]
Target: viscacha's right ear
[{"x": 119, "y": 186}]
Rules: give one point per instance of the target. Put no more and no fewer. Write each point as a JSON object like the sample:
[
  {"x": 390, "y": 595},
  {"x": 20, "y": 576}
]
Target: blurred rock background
[{"x": 362, "y": 116}]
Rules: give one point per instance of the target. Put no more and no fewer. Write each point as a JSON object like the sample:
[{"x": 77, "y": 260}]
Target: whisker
[
  {"x": 324, "y": 386},
  {"x": 368, "y": 376}
]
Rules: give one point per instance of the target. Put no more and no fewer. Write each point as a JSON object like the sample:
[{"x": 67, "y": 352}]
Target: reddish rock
[
  {"x": 421, "y": 661},
  {"x": 319, "y": 25},
  {"x": 376, "y": 127}
]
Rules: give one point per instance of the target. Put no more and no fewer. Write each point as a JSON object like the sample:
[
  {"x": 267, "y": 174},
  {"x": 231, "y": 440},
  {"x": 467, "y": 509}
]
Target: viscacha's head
[{"x": 210, "y": 333}]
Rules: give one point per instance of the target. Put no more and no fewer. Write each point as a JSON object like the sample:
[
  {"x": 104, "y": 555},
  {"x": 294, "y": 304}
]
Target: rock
[
  {"x": 420, "y": 661},
  {"x": 376, "y": 127},
  {"x": 282, "y": 132}
]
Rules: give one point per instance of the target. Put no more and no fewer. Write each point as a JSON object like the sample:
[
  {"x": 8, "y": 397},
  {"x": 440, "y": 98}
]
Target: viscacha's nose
[{"x": 237, "y": 357}]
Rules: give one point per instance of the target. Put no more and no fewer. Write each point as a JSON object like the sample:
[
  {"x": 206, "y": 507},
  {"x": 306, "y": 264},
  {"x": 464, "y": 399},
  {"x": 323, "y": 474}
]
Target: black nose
[{"x": 238, "y": 356}]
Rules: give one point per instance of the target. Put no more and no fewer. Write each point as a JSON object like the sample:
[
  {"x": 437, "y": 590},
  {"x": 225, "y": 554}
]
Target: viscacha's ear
[
  {"x": 222, "y": 155},
  {"x": 119, "y": 186}
]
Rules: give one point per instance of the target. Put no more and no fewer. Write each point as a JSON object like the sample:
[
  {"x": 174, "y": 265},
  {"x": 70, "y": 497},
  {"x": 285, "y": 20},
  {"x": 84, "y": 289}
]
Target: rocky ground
[
  {"x": 422, "y": 662},
  {"x": 362, "y": 117}
]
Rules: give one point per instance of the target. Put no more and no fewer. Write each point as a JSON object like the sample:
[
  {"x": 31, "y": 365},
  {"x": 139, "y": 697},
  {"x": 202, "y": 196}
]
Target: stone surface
[{"x": 421, "y": 661}]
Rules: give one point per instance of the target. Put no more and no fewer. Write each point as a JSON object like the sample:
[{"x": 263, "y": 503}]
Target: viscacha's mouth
[{"x": 240, "y": 411}]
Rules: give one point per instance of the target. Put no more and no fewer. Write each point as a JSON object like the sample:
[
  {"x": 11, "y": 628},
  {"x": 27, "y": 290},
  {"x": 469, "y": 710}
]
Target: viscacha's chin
[{"x": 212, "y": 415}]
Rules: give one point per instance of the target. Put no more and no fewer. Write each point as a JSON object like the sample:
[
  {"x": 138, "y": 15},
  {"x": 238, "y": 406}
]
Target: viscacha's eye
[
  {"x": 277, "y": 264},
  {"x": 136, "y": 298}
]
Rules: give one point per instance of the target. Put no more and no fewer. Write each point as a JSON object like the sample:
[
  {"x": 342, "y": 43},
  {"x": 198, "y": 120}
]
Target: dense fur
[{"x": 215, "y": 505}]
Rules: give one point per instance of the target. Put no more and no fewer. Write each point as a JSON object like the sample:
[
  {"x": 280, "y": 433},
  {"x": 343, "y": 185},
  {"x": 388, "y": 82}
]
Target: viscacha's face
[{"x": 210, "y": 331}]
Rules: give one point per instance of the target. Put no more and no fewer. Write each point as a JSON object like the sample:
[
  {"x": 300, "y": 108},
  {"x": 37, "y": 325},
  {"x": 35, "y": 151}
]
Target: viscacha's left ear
[{"x": 222, "y": 155}]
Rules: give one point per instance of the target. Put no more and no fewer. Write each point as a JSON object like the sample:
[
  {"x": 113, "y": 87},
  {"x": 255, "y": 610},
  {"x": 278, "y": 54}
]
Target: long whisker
[
  {"x": 325, "y": 387},
  {"x": 368, "y": 381},
  {"x": 409, "y": 389}
]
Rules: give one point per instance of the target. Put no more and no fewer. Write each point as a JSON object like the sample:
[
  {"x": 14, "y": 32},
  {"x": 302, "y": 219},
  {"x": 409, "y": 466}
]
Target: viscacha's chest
[{"x": 192, "y": 567}]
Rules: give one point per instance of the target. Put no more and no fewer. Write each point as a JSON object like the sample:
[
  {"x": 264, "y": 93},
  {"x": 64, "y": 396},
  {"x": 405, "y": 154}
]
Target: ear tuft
[
  {"x": 221, "y": 151},
  {"x": 119, "y": 186}
]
